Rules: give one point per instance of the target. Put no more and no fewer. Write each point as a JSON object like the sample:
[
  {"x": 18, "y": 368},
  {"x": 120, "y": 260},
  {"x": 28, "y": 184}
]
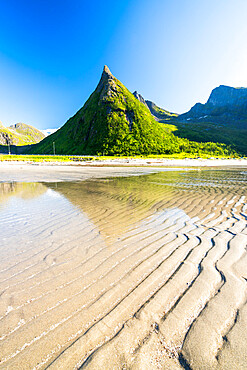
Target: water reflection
[
  {"x": 21, "y": 190},
  {"x": 113, "y": 205}
]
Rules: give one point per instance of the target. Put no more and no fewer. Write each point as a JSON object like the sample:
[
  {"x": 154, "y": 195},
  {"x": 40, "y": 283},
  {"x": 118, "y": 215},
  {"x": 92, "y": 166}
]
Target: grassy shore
[{"x": 73, "y": 158}]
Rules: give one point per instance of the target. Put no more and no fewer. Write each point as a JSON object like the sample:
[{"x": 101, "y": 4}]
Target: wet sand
[
  {"x": 28, "y": 172},
  {"x": 61, "y": 172},
  {"x": 139, "y": 272}
]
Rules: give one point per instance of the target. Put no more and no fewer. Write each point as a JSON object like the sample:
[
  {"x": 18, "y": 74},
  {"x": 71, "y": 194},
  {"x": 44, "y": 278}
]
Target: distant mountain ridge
[
  {"x": 19, "y": 134},
  {"x": 226, "y": 105},
  {"x": 227, "y": 95},
  {"x": 223, "y": 118},
  {"x": 160, "y": 114}
]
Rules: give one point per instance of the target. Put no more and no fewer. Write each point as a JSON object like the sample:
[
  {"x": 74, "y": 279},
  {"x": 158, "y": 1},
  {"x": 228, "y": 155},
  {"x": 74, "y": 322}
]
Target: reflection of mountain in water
[
  {"x": 113, "y": 205},
  {"x": 22, "y": 190}
]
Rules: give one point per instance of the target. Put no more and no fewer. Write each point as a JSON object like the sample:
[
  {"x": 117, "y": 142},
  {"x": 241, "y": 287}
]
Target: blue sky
[{"x": 172, "y": 52}]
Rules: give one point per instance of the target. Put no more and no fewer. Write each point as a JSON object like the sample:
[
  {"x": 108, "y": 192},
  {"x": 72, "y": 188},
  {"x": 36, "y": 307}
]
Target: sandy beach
[
  {"x": 140, "y": 272},
  {"x": 27, "y": 172}
]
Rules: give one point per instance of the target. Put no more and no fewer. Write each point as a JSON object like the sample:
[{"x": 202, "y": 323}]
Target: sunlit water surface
[{"x": 85, "y": 265}]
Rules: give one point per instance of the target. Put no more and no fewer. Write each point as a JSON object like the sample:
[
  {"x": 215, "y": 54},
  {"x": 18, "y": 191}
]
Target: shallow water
[{"x": 145, "y": 271}]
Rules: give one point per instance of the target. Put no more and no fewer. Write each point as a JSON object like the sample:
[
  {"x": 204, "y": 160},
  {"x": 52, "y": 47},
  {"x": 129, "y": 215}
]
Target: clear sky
[{"x": 173, "y": 52}]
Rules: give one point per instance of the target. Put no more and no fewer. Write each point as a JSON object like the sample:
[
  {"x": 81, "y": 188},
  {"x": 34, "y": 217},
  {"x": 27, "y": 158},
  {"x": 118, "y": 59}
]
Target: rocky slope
[
  {"x": 159, "y": 114},
  {"x": 226, "y": 105},
  {"x": 20, "y": 134},
  {"x": 222, "y": 119}
]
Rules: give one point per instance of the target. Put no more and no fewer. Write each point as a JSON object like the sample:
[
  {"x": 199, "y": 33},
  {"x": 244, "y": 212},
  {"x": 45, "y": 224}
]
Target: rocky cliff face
[
  {"x": 224, "y": 96},
  {"x": 140, "y": 98},
  {"x": 226, "y": 105}
]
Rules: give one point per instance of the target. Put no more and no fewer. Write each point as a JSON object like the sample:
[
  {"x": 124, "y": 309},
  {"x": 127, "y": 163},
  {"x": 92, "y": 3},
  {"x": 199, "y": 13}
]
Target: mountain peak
[
  {"x": 107, "y": 79},
  {"x": 139, "y": 97},
  {"x": 107, "y": 71},
  {"x": 223, "y": 96}
]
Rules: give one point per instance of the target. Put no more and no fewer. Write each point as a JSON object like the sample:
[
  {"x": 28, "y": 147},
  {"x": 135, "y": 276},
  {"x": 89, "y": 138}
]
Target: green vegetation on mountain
[
  {"x": 226, "y": 105},
  {"x": 20, "y": 134},
  {"x": 213, "y": 132},
  {"x": 223, "y": 118},
  {"x": 160, "y": 113},
  {"x": 114, "y": 122},
  {"x": 32, "y": 134}
]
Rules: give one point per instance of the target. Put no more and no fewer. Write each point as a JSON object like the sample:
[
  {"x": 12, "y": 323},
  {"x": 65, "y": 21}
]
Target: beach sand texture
[{"x": 144, "y": 272}]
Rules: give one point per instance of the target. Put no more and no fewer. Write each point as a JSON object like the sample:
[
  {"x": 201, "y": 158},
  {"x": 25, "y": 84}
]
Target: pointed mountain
[{"x": 112, "y": 121}]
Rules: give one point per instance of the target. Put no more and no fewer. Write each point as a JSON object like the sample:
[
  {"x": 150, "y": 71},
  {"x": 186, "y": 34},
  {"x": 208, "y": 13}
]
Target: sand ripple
[{"x": 145, "y": 272}]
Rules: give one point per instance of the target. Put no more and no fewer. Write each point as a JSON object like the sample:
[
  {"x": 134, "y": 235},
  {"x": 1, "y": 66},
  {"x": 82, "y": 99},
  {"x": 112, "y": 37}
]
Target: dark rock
[
  {"x": 223, "y": 96},
  {"x": 226, "y": 105},
  {"x": 140, "y": 98}
]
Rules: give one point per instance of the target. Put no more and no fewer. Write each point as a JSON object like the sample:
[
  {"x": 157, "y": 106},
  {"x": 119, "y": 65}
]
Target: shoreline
[
  {"x": 133, "y": 162},
  {"x": 121, "y": 167}
]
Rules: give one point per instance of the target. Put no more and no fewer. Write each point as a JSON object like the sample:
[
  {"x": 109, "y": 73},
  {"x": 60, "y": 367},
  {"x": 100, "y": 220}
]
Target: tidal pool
[{"x": 137, "y": 272}]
